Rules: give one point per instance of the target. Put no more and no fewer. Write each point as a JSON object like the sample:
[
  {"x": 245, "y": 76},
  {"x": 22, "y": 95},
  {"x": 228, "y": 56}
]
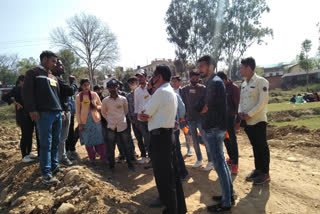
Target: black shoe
[
  {"x": 156, "y": 203},
  {"x": 148, "y": 166},
  {"x": 218, "y": 208},
  {"x": 264, "y": 178},
  {"x": 66, "y": 162},
  {"x": 219, "y": 198},
  {"x": 49, "y": 180},
  {"x": 132, "y": 168},
  {"x": 252, "y": 175},
  {"x": 185, "y": 178},
  {"x": 57, "y": 170}
]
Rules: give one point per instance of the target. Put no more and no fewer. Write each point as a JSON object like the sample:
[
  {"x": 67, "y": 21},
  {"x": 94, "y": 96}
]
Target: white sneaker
[
  {"x": 142, "y": 160},
  {"x": 208, "y": 167},
  {"x": 198, "y": 164},
  {"x": 31, "y": 155},
  {"x": 26, "y": 159}
]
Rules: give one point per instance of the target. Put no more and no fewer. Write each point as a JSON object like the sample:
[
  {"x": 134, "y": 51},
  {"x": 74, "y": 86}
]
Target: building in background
[
  {"x": 300, "y": 78},
  {"x": 152, "y": 66},
  {"x": 273, "y": 73}
]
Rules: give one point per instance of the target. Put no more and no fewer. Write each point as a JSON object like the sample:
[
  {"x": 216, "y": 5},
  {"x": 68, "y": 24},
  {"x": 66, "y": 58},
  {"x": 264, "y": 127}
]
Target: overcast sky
[{"x": 140, "y": 28}]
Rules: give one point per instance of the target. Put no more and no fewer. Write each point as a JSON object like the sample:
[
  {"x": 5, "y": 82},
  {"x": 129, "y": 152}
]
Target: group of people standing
[{"x": 155, "y": 111}]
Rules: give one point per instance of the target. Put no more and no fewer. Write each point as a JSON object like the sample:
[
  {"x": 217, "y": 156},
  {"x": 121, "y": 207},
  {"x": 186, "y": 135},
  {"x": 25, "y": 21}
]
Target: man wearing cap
[
  {"x": 160, "y": 112},
  {"x": 114, "y": 109},
  {"x": 191, "y": 95},
  {"x": 141, "y": 97},
  {"x": 254, "y": 98}
]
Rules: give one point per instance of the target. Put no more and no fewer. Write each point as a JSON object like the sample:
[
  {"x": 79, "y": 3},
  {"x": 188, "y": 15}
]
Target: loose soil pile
[{"x": 86, "y": 188}]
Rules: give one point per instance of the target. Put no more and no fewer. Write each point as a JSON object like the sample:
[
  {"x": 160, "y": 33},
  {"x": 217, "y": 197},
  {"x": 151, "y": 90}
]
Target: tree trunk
[{"x": 307, "y": 81}]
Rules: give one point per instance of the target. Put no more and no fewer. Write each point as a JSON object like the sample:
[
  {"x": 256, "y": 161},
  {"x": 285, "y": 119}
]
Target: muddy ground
[{"x": 87, "y": 188}]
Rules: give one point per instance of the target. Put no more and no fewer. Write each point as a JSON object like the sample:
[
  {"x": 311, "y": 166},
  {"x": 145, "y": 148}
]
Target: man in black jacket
[
  {"x": 214, "y": 123},
  {"x": 66, "y": 90},
  {"x": 23, "y": 121},
  {"x": 41, "y": 99}
]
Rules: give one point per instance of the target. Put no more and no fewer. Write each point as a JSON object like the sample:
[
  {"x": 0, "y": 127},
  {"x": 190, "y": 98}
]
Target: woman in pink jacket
[{"x": 88, "y": 105}]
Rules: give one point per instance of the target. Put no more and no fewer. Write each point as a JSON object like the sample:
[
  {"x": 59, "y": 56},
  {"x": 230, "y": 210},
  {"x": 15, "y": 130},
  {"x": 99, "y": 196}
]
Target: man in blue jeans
[
  {"x": 214, "y": 123},
  {"x": 191, "y": 95},
  {"x": 41, "y": 95}
]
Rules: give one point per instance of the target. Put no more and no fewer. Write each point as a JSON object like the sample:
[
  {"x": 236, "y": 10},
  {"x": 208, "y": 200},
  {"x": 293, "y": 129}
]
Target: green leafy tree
[
  {"x": 8, "y": 69},
  {"x": 26, "y": 64},
  {"x": 224, "y": 29},
  {"x": 89, "y": 39},
  {"x": 192, "y": 26},
  {"x": 179, "y": 20},
  {"x": 69, "y": 60},
  {"x": 242, "y": 28},
  {"x": 305, "y": 62}
]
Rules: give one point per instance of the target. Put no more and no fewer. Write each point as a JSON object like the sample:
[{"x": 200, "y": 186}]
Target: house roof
[
  {"x": 276, "y": 65},
  {"x": 300, "y": 73}
]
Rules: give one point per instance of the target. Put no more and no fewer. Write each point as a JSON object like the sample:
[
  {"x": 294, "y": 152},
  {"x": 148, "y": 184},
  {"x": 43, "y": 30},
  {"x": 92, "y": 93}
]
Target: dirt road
[{"x": 294, "y": 186}]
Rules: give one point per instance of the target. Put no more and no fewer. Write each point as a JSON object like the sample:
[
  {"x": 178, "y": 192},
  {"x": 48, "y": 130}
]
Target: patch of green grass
[
  {"x": 7, "y": 116},
  {"x": 313, "y": 123},
  {"x": 285, "y": 106}
]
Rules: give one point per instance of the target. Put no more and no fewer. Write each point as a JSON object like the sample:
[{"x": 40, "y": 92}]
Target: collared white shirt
[
  {"x": 254, "y": 97},
  {"x": 162, "y": 108},
  {"x": 141, "y": 97},
  {"x": 115, "y": 111},
  {"x": 177, "y": 91}
]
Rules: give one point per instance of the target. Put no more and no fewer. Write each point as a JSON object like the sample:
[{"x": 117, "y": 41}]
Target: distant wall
[{"x": 274, "y": 82}]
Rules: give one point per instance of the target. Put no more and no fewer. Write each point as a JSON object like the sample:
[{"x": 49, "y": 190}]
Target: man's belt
[{"x": 158, "y": 131}]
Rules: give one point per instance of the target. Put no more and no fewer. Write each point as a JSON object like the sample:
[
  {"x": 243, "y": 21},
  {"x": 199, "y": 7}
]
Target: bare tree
[
  {"x": 9, "y": 61},
  {"x": 88, "y": 38}
]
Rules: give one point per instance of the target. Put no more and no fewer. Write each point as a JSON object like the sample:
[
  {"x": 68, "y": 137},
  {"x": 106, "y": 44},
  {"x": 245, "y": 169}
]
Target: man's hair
[
  {"x": 207, "y": 59},
  {"x": 249, "y": 62},
  {"x": 194, "y": 73},
  {"x": 222, "y": 75},
  {"x": 176, "y": 77},
  {"x": 164, "y": 71},
  {"x": 20, "y": 78},
  {"x": 47, "y": 54},
  {"x": 96, "y": 88},
  {"x": 132, "y": 79}
]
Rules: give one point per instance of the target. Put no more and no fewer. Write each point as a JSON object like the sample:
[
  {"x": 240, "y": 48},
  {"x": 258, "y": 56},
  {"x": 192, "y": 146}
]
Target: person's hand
[
  {"x": 245, "y": 117},
  {"x": 81, "y": 128},
  {"x": 144, "y": 117},
  {"x": 237, "y": 127},
  {"x": 72, "y": 78},
  {"x": 19, "y": 106},
  {"x": 35, "y": 116},
  {"x": 63, "y": 116},
  {"x": 205, "y": 109}
]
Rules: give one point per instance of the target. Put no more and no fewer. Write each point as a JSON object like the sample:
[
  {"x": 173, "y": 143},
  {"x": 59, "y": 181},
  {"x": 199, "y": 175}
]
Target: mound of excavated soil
[
  {"x": 78, "y": 189},
  {"x": 291, "y": 115},
  {"x": 89, "y": 188}
]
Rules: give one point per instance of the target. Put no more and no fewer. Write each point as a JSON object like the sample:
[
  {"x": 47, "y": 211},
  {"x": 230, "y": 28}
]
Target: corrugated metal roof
[
  {"x": 276, "y": 65},
  {"x": 300, "y": 73}
]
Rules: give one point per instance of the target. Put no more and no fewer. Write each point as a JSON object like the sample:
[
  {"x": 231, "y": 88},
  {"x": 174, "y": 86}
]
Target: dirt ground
[{"x": 294, "y": 186}]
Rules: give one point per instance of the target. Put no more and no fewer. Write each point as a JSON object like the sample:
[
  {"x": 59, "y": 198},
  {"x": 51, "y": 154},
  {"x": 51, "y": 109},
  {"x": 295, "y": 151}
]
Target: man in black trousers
[
  {"x": 254, "y": 98},
  {"x": 160, "y": 112}
]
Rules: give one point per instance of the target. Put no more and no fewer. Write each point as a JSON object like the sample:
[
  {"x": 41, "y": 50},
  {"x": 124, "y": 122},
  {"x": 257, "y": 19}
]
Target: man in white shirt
[
  {"x": 114, "y": 109},
  {"x": 141, "y": 97},
  {"x": 160, "y": 113},
  {"x": 253, "y": 110}
]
